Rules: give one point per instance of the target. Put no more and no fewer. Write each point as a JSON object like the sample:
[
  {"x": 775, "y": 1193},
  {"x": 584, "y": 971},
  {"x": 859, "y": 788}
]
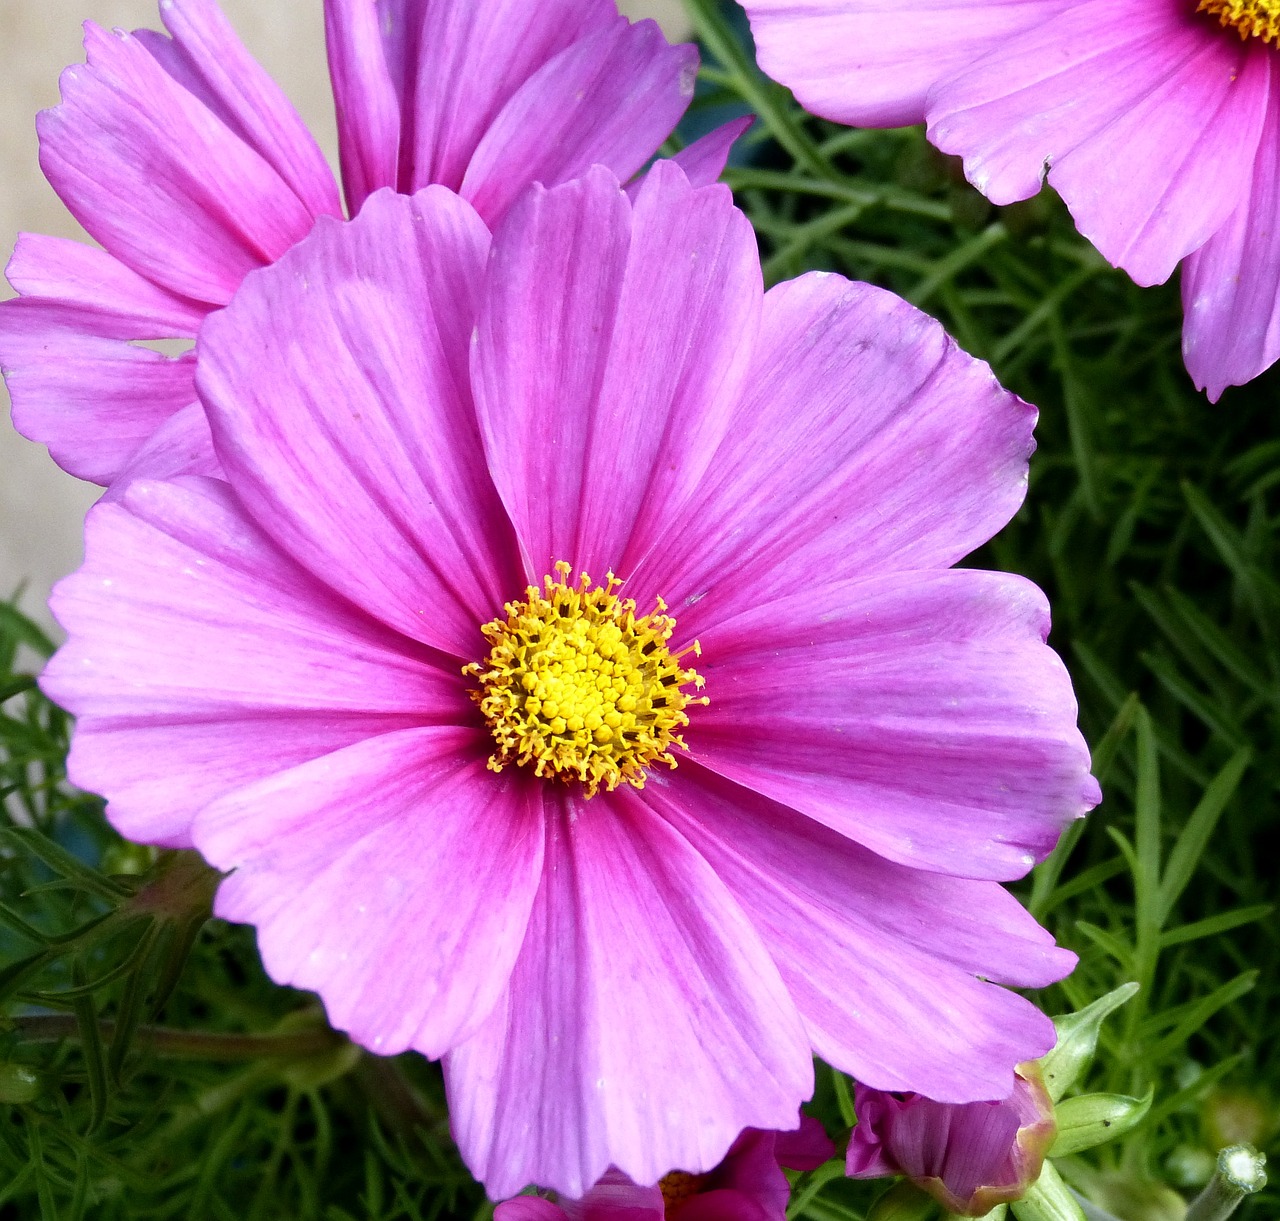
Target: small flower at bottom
[
  {"x": 970, "y": 1157},
  {"x": 489, "y": 496},
  {"x": 747, "y": 1186}
]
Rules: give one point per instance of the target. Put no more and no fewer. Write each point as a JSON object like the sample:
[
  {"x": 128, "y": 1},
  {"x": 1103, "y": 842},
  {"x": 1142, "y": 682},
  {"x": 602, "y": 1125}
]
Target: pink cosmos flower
[
  {"x": 187, "y": 163},
  {"x": 474, "y": 797},
  {"x": 747, "y": 1186},
  {"x": 1157, "y": 123},
  {"x": 970, "y": 1157}
]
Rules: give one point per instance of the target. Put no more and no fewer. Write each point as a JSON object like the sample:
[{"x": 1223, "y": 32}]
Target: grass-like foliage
[{"x": 148, "y": 1069}]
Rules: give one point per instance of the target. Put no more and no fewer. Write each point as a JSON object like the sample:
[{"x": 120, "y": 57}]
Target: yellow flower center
[
  {"x": 578, "y": 687},
  {"x": 1250, "y": 18},
  {"x": 679, "y": 1186}
]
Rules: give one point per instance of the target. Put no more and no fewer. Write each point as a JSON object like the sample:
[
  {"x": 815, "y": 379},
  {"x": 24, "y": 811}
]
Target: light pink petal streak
[
  {"x": 394, "y": 878},
  {"x": 93, "y": 401},
  {"x": 871, "y": 63},
  {"x": 610, "y": 354},
  {"x": 1231, "y": 285},
  {"x": 471, "y": 58},
  {"x": 880, "y": 959},
  {"x": 159, "y": 179},
  {"x": 920, "y": 714},
  {"x": 865, "y": 442},
  {"x": 201, "y": 658},
  {"x": 208, "y": 58},
  {"x": 610, "y": 99},
  {"x": 336, "y": 385},
  {"x": 182, "y": 445},
  {"x": 636, "y": 965},
  {"x": 1148, "y": 127}
]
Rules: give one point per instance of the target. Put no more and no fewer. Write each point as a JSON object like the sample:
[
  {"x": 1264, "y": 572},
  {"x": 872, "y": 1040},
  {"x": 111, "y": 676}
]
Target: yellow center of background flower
[
  {"x": 1251, "y": 18},
  {"x": 578, "y": 687}
]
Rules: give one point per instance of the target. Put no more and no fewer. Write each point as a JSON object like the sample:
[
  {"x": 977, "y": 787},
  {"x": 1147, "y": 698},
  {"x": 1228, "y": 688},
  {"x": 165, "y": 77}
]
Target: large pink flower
[
  {"x": 1158, "y": 124},
  {"x": 187, "y": 163},
  {"x": 748, "y": 1185},
  {"x": 308, "y": 673}
]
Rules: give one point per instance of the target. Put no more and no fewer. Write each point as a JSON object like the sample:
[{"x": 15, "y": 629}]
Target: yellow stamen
[
  {"x": 1250, "y": 18},
  {"x": 679, "y": 1186},
  {"x": 579, "y": 688}
]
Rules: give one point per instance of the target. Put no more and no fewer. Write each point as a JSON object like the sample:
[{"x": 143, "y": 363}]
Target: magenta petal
[
  {"x": 92, "y": 401},
  {"x": 393, "y": 877},
  {"x": 704, "y": 160},
  {"x": 807, "y": 1148},
  {"x": 879, "y": 958},
  {"x": 208, "y": 57},
  {"x": 865, "y": 442},
  {"x": 871, "y": 63},
  {"x": 182, "y": 445},
  {"x": 644, "y": 1025},
  {"x": 1148, "y": 127},
  {"x": 159, "y": 179},
  {"x": 607, "y": 365},
  {"x": 336, "y": 385},
  {"x": 616, "y": 1198},
  {"x": 531, "y": 1208},
  {"x": 921, "y": 714},
  {"x": 98, "y": 292},
  {"x": 1231, "y": 285},
  {"x": 200, "y": 658},
  {"x": 610, "y": 99},
  {"x": 365, "y": 98},
  {"x": 471, "y": 58}
]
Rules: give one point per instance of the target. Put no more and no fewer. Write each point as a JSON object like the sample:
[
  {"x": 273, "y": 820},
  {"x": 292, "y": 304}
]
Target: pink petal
[
  {"x": 182, "y": 445},
  {"x": 865, "y": 442},
  {"x": 99, "y": 292},
  {"x": 393, "y": 877},
  {"x": 471, "y": 58},
  {"x": 336, "y": 385},
  {"x": 209, "y": 59},
  {"x": 703, "y": 161},
  {"x": 201, "y": 658},
  {"x": 365, "y": 97},
  {"x": 807, "y": 1148},
  {"x": 920, "y": 714},
  {"x": 1147, "y": 119},
  {"x": 610, "y": 355},
  {"x": 871, "y": 63},
  {"x": 616, "y": 1198},
  {"x": 1231, "y": 285},
  {"x": 610, "y": 99},
  {"x": 92, "y": 401},
  {"x": 644, "y": 1026},
  {"x": 159, "y": 179},
  {"x": 880, "y": 959},
  {"x": 530, "y": 1208}
]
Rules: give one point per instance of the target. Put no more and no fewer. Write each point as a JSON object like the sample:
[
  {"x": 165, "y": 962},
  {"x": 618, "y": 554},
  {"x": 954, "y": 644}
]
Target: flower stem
[{"x": 1241, "y": 1172}]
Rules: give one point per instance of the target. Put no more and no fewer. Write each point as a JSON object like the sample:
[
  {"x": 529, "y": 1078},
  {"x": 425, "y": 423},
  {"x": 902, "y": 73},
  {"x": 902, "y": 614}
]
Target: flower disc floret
[
  {"x": 1250, "y": 18},
  {"x": 581, "y": 689}
]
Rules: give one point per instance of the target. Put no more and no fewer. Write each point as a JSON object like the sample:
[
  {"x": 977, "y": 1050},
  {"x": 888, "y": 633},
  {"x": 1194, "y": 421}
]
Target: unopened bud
[
  {"x": 1094, "y": 1119},
  {"x": 19, "y": 1084},
  {"x": 1048, "y": 1199},
  {"x": 903, "y": 1202},
  {"x": 1078, "y": 1040}
]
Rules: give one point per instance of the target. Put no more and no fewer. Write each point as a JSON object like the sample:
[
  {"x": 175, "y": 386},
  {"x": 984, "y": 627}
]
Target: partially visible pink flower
[
  {"x": 1158, "y": 124},
  {"x": 188, "y": 164},
  {"x": 969, "y": 1157},
  {"x": 747, "y": 1186},
  {"x": 355, "y": 675}
]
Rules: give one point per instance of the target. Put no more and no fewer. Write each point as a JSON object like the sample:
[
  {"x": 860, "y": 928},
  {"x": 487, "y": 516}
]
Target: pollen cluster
[
  {"x": 580, "y": 689},
  {"x": 1250, "y": 18}
]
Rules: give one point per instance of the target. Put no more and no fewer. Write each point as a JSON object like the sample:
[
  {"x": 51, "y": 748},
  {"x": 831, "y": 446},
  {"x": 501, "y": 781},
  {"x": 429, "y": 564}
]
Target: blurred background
[{"x": 41, "y": 508}]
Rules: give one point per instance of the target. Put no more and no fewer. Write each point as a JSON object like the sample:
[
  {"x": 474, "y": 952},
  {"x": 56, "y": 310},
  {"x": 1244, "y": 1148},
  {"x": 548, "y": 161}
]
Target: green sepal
[
  {"x": 1048, "y": 1199},
  {"x": 904, "y": 1202},
  {"x": 1093, "y": 1119},
  {"x": 1078, "y": 1040}
]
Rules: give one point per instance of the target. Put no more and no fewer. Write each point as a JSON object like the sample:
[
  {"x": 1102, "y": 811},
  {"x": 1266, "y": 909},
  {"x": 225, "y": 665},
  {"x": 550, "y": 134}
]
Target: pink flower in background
[
  {"x": 516, "y": 835},
  {"x": 1157, "y": 123},
  {"x": 970, "y": 1157},
  {"x": 747, "y": 1186},
  {"x": 187, "y": 163}
]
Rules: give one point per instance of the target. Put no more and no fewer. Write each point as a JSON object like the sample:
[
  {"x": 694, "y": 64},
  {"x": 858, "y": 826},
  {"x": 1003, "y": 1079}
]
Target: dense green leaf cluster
[{"x": 148, "y": 1069}]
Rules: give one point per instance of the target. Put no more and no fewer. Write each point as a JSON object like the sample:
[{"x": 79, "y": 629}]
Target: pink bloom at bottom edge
[
  {"x": 747, "y": 1186},
  {"x": 1157, "y": 123},
  {"x": 969, "y": 1157},
  {"x": 312, "y": 673}
]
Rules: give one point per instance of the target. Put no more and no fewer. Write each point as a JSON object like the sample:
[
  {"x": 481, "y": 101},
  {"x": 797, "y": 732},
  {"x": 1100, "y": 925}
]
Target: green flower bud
[
  {"x": 19, "y": 1083},
  {"x": 1078, "y": 1040},
  {"x": 1094, "y": 1119}
]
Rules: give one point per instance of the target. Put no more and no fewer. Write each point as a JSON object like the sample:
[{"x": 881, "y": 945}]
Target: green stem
[{"x": 1241, "y": 1172}]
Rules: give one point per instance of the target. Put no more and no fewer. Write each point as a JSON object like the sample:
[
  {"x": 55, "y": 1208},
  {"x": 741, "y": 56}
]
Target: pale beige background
[{"x": 41, "y": 508}]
